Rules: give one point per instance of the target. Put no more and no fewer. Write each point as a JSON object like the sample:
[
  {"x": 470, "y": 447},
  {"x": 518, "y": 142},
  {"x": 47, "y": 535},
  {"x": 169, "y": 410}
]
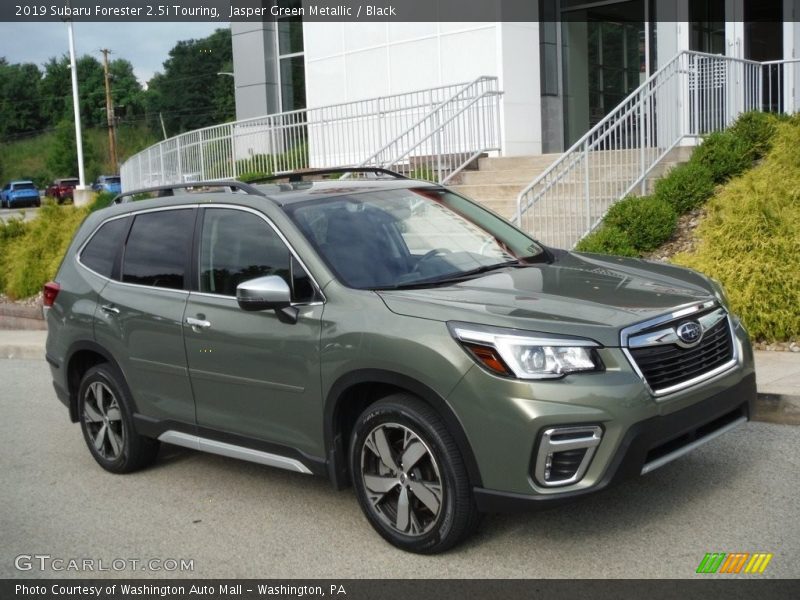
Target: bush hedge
[
  {"x": 722, "y": 156},
  {"x": 686, "y": 187},
  {"x": 31, "y": 257},
  {"x": 750, "y": 241},
  {"x": 608, "y": 240},
  {"x": 648, "y": 222}
]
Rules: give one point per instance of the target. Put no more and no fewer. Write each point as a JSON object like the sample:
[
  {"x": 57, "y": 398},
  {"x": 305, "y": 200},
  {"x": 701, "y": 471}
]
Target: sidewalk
[{"x": 777, "y": 374}]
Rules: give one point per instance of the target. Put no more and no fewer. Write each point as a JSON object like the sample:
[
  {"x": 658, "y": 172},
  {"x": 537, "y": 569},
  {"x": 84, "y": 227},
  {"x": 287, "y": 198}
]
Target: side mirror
[{"x": 264, "y": 293}]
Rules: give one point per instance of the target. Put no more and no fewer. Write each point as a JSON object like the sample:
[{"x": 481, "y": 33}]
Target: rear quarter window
[{"x": 101, "y": 252}]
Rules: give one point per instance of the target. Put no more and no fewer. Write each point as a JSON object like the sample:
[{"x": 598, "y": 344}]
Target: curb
[
  {"x": 13, "y": 316},
  {"x": 21, "y": 352}
]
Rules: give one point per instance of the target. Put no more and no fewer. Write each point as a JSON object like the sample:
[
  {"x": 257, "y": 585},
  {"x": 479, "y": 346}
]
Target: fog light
[{"x": 565, "y": 453}]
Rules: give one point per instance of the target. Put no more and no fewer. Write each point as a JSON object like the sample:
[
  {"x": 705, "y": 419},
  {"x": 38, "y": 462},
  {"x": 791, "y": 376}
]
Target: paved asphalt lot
[
  {"x": 739, "y": 494},
  {"x": 14, "y": 213}
]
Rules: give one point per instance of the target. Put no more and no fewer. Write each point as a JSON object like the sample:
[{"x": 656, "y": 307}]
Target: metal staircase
[{"x": 692, "y": 95}]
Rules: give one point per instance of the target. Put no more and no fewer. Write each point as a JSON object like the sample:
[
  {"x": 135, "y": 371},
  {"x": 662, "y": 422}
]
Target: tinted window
[
  {"x": 101, "y": 251},
  {"x": 24, "y": 186},
  {"x": 158, "y": 249},
  {"x": 112, "y": 180},
  {"x": 237, "y": 246}
]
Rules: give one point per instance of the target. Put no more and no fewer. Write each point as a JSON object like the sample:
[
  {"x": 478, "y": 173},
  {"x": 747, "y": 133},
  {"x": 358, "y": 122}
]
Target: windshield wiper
[{"x": 453, "y": 278}]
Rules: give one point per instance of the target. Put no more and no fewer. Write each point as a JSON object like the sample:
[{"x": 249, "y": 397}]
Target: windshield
[
  {"x": 112, "y": 180},
  {"x": 68, "y": 182},
  {"x": 24, "y": 186},
  {"x": 409, "y": 238}
]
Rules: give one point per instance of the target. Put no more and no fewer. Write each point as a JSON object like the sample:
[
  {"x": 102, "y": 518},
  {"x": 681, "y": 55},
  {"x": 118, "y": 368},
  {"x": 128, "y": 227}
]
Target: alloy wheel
[
  {"x": 103, "y": 419},
  {"x": 402, "y": 479}
]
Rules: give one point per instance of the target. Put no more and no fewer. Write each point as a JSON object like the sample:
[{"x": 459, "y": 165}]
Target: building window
[
  {"x": 291, "y": 65},
  {"x": 707, "y": 19},
  {"x": 548, "y": 47}
]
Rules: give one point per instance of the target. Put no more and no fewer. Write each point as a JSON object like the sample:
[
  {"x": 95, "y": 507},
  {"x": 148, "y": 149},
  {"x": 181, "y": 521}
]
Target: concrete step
[{"x": 505, "y": 163}]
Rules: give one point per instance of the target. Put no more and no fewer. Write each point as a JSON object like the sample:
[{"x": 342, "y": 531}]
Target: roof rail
[
  {"x": 161, "y": 191},
  {"x": 297, "y": 176}
]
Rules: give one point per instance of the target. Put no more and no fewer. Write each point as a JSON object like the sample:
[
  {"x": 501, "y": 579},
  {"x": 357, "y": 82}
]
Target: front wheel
[
  {"x": 409, "y": 476},
  {"x": 106, "y": 418}
]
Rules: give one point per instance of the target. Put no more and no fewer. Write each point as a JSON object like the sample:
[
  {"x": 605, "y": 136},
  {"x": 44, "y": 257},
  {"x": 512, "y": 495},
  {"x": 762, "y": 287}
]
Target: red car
[{"x": 62, "y": 189}]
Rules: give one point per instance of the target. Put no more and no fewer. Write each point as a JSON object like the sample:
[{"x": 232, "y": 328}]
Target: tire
[
  {"x": 106, "y": 418},
  {"x": 440, "y": 512}
]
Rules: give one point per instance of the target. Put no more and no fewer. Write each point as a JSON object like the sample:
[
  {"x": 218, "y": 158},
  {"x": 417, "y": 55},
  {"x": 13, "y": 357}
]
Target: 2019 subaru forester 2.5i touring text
[{"x": 391, "y": 334}]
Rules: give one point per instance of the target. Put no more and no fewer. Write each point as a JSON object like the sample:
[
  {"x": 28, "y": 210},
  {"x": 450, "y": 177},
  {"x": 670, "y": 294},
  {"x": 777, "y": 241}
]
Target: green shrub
[
  {"x": 607, "y": 240},
  {"x": 755, "y": 131},
  {"x": 31, "y": 259},
  {"x": 251, "y": 176},
  {"x": 685, "y": 187},
  {"x": 101, "y": 200},
  {"x": 724, "y": 154},
  {"x": 648, "y": 222},
  {"x": 9, "y": 231},
  {"x": 750, "y": 241}
]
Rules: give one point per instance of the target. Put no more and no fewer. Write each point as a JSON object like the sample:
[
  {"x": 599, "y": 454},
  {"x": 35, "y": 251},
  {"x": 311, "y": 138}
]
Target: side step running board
[{"x": 205, "y": 445}]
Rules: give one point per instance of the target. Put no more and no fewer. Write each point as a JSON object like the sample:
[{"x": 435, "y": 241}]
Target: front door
[{"x": 253, "y": 374}]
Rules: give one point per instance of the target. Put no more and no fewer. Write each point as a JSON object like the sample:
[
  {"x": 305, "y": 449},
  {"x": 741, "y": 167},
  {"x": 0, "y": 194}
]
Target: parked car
[
  {"x": 18, "y": 194},
  {"x": 391, "y": 334},
  {"x": 62, "y": 189},
  {"x": 107, "y": 183}
]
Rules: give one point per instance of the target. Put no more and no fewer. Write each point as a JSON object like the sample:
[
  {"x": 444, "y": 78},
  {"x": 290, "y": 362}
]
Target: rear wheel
[
  {"x": 410, "y": 479},
  {"x": 107, "y": 422}
]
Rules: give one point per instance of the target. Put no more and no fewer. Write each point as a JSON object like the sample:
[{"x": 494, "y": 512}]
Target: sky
[{"x": 145, "y": 45}]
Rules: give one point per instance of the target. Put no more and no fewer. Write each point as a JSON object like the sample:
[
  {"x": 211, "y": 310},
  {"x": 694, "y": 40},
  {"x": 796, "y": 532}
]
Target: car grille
[{"x": 665, "y": 366}]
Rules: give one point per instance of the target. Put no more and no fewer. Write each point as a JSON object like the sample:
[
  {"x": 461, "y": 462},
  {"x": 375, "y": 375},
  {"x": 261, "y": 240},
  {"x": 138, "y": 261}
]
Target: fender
[
  {"x": 97, "y": 349},
  {"x": 336, "y": 447}
]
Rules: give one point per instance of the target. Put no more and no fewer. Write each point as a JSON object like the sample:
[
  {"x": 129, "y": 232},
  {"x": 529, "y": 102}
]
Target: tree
[
  {"x": 125, "y": 89},
  {"x": 62, "y": 157},
  {"x": 189, "y": 93},
  {"x": 20, "y": 107},
  {"x": 92, "y": 89},
  {"x": 55, "y": 91}
]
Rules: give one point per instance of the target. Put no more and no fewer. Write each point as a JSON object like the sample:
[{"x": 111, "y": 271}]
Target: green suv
[{"x": 389, "y": 334}]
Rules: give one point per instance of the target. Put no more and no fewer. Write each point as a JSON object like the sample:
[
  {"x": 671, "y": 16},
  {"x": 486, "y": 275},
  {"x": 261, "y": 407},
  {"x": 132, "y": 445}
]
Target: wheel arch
[
  {"x": 81, "y": 357},
  {"x": 353, "y": 392}
]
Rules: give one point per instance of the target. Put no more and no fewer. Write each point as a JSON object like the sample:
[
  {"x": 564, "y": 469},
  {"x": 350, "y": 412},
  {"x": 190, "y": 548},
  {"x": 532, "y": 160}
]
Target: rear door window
[{"x": 157, "y": 252}]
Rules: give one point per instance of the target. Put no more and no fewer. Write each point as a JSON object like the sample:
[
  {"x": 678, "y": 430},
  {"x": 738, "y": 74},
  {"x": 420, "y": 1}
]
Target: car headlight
[{"x": 526, "y": 357}]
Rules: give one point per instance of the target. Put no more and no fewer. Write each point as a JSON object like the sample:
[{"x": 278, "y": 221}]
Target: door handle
[
  {"x": 198, "y": 324},
  {"x": 109, "y": 309}
]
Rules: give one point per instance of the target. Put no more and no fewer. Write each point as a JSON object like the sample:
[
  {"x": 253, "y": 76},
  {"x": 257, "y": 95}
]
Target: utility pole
[{"x": 112, "y": 138}]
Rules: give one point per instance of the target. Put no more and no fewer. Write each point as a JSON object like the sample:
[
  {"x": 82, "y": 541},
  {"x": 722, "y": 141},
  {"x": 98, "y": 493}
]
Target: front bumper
[{"x": 643, "y": 444}]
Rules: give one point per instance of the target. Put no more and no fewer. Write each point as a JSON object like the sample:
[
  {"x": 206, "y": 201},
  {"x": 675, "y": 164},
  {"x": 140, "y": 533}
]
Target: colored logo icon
[{"x": 734, "y": 563}]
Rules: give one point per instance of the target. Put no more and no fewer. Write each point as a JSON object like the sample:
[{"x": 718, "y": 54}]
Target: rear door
[
  {"x": 254, "y": 375},
  {"x": 141, "y": 312}
]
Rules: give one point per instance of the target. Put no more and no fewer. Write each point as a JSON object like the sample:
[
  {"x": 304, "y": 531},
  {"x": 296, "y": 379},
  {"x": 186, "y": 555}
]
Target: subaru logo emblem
[{"x": 689, "y": 332}]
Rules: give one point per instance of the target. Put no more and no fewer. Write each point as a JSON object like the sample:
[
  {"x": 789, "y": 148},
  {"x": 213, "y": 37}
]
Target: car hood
[{"x": 584, "y": 295}]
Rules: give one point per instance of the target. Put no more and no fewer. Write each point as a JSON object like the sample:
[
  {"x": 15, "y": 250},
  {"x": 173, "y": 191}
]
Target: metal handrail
[
  {"x": 332, "y": 136},
  {"x": 703, "y": 92}
]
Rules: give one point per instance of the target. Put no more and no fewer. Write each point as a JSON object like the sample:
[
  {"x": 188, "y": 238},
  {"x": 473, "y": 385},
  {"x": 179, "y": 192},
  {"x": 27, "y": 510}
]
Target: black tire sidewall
[
  {"x": 396, "y": 411},
  {"x": 106, "y": 375}
]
